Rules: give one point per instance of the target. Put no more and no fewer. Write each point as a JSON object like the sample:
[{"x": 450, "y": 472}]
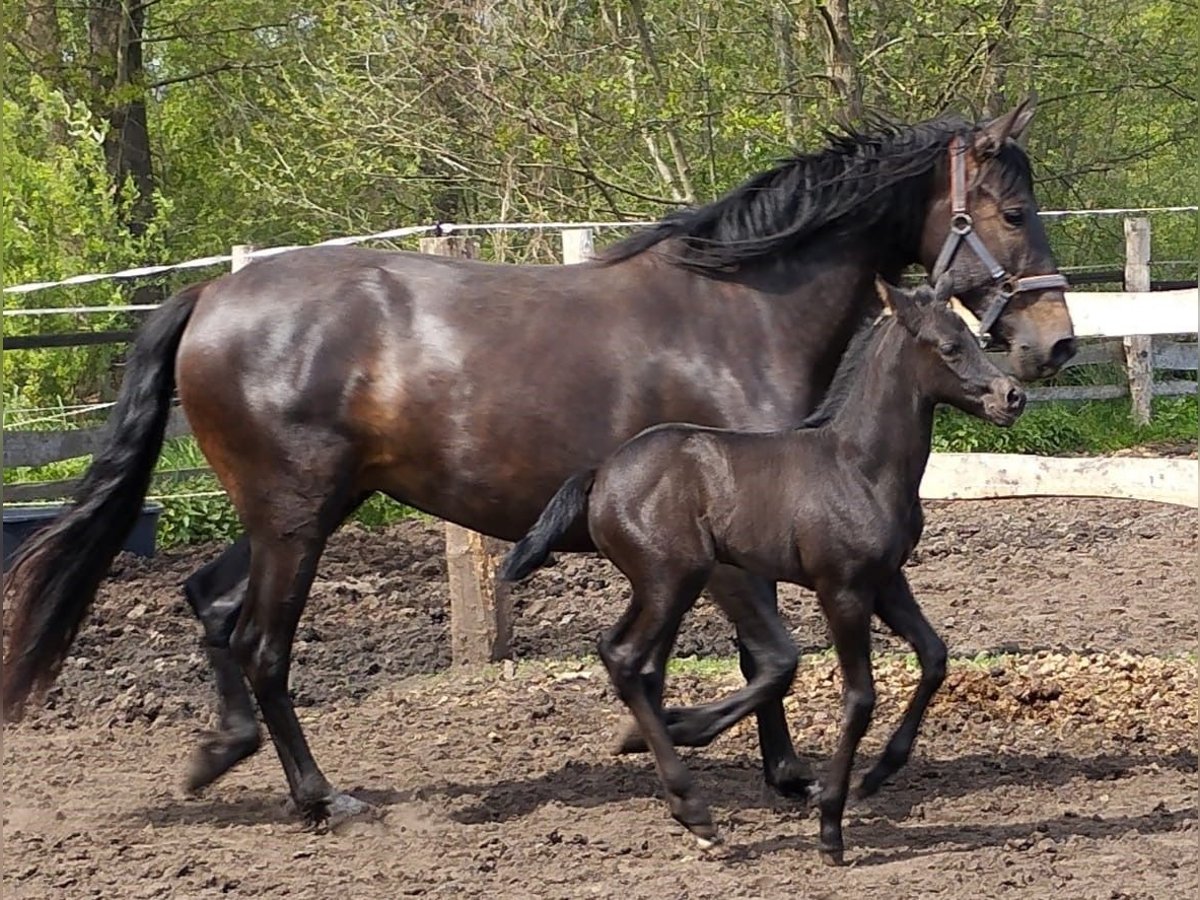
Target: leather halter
[{"x": 962, "y": 231}]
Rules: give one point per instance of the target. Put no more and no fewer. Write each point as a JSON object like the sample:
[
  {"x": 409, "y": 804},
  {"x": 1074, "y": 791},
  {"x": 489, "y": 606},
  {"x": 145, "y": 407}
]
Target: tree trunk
[
  {"x": 783, "y": 27},
  {"x": 43, "y": 39},
  {"x": 841, "y": 61},
  {"x": 995, "y": 62},
  {"x": 115, "y": 38},
  {"x": 42, "y": 45},
  {"x": 683, "y": 171}
]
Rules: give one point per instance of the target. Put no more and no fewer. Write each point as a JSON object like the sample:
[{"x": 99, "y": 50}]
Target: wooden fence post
[
  {"x": 480, "y": 608},
  {"x": 1139, "y": 349},
  {"x": 577, "y": 245},
  {"x": 240, "y": 254}
]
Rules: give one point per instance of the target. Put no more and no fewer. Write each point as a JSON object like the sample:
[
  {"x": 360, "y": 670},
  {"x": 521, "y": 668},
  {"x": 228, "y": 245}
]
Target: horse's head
[
  {"x": 983, "y": 229},
  {"x": 951, "y": 367}
]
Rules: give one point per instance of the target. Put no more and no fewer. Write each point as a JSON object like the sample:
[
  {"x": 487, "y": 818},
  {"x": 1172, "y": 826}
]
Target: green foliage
[
  {"x": 196, "y": 519},
  {"x": 63, "y": 218},
  {"x": 1047, "y": 429},
  {"x": 274, "y": 124}
]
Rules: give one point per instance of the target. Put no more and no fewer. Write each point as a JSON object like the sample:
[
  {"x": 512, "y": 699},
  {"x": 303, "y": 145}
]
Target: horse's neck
[
  {"x": 886, "y": 421},
  {"x": 823, "y": 292}
]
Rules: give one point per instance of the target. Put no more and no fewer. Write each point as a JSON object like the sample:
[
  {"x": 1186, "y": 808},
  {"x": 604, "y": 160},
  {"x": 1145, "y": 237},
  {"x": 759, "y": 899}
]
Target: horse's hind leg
[
  {"x": 655, "y": 610},
  {"x": 900, "y": 612},
  {"x": 215, "y": 593},
  {"x": 287, "y": 540}
]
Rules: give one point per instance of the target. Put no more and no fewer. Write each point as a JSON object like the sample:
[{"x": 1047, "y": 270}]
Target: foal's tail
[
  {"x": 563, "y": 511},
  {"x": 55, "y": 575}
]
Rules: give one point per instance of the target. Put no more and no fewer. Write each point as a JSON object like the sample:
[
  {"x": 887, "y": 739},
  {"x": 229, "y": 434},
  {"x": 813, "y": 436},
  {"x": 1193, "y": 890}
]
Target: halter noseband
[{"x": 962, "y": 230}]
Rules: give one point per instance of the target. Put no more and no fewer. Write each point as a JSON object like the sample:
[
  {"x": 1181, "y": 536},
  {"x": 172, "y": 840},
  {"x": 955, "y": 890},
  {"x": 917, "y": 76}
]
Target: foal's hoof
[
  {"x": 794, "y": 779},
  {"x": 708, "y": 843},
  {"x": 217, "y": 754},
  {"x": 631, "y": 741}
]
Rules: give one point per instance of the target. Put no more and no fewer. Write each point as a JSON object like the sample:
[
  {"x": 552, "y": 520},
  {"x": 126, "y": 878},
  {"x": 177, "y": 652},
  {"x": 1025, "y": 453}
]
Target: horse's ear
[{"x": 991, "y": 137}]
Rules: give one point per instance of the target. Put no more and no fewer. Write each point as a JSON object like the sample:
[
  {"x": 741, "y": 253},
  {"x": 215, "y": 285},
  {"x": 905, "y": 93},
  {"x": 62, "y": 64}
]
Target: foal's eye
[{"x": 1015, "y": 217}]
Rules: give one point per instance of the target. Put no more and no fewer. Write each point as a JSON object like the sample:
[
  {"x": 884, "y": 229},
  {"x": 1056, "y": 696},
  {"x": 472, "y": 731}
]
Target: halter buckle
[{"x": 961, "y": 223}]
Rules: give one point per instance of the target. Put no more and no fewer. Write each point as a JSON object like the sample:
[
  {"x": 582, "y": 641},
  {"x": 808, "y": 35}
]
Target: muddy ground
[{"x": 1063, "y": 763}]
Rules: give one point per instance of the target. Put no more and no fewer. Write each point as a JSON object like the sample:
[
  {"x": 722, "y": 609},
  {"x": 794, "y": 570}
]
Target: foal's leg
[
  {"x": 849, "y": 614},
  {"x": 774, "y": 658},
  {"x": 653, "y": 610},
  {"x": 900, "y": 612},
  {"x": 734, "y": 588}
]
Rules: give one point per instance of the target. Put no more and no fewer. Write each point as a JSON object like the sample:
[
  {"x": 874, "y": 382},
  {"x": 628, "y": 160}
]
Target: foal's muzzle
[{"x": 1005, "y": 402}]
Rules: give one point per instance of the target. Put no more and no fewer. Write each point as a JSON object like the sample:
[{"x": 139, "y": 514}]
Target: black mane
[{"x": 839, "y": 186}]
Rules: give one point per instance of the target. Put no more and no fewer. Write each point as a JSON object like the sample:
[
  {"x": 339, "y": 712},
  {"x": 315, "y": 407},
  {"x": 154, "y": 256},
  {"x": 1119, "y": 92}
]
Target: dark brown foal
[{"x": 832, "y": 505}]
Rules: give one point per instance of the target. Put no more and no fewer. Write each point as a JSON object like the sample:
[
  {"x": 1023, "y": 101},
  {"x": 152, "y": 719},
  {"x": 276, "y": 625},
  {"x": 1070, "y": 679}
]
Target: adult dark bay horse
[{"x": 470, "y": 390}]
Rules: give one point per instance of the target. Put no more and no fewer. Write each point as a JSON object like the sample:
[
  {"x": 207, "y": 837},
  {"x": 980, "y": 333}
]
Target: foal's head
[{"x": 951, "y": 366}]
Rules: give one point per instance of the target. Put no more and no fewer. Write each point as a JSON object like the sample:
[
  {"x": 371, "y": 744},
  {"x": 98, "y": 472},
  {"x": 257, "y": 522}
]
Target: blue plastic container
[{"x": 22, "y": 521}]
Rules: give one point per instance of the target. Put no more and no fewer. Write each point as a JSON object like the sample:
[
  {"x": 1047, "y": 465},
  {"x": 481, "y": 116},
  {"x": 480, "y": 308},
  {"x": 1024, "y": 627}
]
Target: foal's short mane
[{"x": 839, "y": 186}]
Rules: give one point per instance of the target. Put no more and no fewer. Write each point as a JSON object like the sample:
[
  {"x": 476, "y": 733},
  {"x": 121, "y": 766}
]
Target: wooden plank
[
  {"x": 1174, "y": 388},
  {"x": 1076, "y": 392},
  {"x": 480, "y": 605},
  {"x": 973, "y": 476},
  {"x": 67, "y": 339},
  {"x": 1104, "y": 314},
  {"x": 1176, "y": 356},
  {"x": 1108, "y": 352},
  {"x": 37, "y": 448},
  {"x": 23, "y": 492}
]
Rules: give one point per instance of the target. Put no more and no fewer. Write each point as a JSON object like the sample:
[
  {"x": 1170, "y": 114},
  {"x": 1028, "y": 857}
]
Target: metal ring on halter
[
  {"x": 960, "y": 223},
  {"x": 1008, "y": 288}
]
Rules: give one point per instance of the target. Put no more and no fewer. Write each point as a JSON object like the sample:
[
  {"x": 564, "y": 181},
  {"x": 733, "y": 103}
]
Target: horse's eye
[
  {"x": 949, "y": 348},
  {"x": 1015, "y": 217}
]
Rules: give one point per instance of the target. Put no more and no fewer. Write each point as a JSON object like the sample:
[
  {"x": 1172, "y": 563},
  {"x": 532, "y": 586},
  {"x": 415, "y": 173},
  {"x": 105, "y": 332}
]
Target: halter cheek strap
[{"x": 962, "y": 230}]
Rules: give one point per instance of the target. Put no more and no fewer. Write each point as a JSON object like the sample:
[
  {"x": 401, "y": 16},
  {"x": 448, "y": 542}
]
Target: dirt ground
[{"x": 1062, "y": 762}]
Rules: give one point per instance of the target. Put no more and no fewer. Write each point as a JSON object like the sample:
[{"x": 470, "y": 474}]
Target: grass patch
[{"x": 1047, "y": 429}]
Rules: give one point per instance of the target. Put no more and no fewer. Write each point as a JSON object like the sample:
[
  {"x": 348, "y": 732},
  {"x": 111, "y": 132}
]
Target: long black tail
[
  {"x": 563, "y": 511},
  {"x": 54, "y": 577}
]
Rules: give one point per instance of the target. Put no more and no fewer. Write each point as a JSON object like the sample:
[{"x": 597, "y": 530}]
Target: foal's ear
[
  {"x": 896, "y": 301},
  {"x": 991, "y": 137}
]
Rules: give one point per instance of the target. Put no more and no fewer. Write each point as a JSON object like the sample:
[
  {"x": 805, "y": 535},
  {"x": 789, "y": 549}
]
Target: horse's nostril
[
  {"x": 1062, "y": 351},
  {"x": 1015, "y": 398}
]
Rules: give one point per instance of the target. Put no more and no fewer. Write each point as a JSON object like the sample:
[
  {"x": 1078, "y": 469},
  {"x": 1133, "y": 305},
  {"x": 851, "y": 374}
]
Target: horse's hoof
[
  {"x": 332, "y": 811},
  {"x": 216, "y": 755},
  {"x": 833, "y": 857},
  {"x": 341, "y": 807}
]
